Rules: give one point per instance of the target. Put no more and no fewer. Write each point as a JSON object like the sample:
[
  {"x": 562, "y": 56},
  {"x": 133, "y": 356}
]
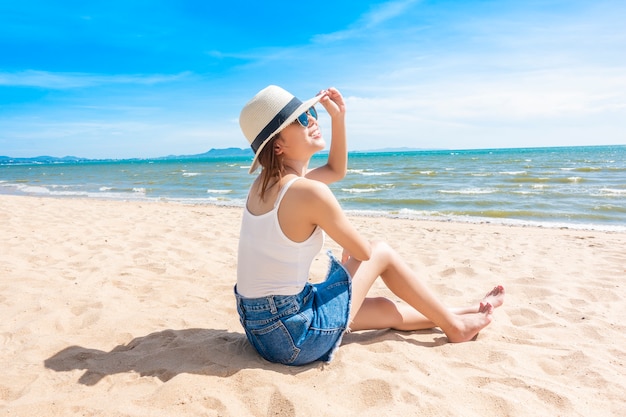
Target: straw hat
[{"x": 270, "y": 111}]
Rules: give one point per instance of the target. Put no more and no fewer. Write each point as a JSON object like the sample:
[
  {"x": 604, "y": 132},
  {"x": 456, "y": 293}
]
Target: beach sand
[{"x": 114, "y": 308}]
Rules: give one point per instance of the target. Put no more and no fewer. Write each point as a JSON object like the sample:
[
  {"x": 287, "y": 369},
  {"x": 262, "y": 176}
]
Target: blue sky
[{"x": 121, "y": 79}]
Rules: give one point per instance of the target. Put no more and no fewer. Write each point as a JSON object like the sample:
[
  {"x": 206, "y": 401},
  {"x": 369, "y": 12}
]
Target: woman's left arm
[{"x": 336, "y": 167}]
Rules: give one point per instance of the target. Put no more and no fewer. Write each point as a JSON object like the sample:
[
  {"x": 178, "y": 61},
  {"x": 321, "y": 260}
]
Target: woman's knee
[
  {"x": 383, "y": 305},
  {"x": 381, "y": 249}
]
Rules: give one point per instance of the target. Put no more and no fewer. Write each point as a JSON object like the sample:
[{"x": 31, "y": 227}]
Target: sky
[{"x": 141, "y": 79}]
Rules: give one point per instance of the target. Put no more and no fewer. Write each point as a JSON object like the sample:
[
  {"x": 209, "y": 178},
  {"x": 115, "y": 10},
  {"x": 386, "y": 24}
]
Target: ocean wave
[
  {"x": 216, "y": 201},
  {"x": 368, "y": 173},
  {"x": 529, "y": 179},
  {"x": 67, "y": 191},
  {"x": 513, "y": 172},
  {"x": 375, "y": 174},
  {"x": 484, "y": 219},
  {"x": 34, "y": 189},
  {"x": 542, "y": 180},
  {"x": 613, "y": 192},
  {"x": 373, "y": 202},
  {"x": 361, "y": 190},
  {"x": 565, "y": 185},
  {"x": 469, "y": 191},
  {"x": 610, "y": 208}
]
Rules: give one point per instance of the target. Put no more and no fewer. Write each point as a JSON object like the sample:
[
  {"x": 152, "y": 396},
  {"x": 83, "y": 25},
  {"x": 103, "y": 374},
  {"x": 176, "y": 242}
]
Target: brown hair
[{"x": 272, "y": 165}]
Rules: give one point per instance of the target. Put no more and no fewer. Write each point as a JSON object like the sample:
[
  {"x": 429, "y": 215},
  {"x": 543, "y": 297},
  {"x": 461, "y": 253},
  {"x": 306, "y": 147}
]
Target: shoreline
[
  {"x": 506, "y": 222},
  {"x": 574, "y": 188},
  {"x": 127, "y": 308}
]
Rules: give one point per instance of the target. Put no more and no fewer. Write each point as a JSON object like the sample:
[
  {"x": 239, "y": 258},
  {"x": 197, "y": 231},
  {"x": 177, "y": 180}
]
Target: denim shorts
[{"x": 301, "y": 328}]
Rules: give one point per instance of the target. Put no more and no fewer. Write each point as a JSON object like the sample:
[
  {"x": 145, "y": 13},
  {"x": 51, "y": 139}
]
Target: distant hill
[
  {"x": 213, "y": 153},
  {"x": 44, "y": 159}
]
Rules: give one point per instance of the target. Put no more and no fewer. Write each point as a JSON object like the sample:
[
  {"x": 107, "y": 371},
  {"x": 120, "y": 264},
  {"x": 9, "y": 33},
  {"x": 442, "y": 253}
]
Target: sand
[{"x": 113, "y": 308}]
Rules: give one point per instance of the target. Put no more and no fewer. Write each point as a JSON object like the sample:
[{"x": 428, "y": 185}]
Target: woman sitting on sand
[{"x": 288, "y": 210}]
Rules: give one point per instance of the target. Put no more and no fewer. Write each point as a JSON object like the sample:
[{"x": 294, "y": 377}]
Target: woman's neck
[{"x": 295, "y": 167}]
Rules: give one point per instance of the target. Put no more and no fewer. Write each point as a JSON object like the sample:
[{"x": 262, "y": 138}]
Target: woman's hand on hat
[{"x": 332, "y": 100}]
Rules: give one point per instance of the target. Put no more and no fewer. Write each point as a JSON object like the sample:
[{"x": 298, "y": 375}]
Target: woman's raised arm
[{"x": 336, "y": 166}]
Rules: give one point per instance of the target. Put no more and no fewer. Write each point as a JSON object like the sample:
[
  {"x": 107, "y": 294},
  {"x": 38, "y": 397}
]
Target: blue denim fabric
[{"x": 302, "y": 328}]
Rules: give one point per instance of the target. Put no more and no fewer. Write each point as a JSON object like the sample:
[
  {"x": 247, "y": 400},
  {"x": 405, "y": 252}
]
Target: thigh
[
  {"x": 375, "y": 313},
  {"x": 381, "y": 313},
  {"x": 363, "y": 274}
]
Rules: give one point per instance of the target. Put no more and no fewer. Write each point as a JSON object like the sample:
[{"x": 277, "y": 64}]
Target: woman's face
[{"x": 297, "y": 141}]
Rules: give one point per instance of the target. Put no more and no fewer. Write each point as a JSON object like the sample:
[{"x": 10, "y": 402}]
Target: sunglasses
[{"x": 303, "y": 119}]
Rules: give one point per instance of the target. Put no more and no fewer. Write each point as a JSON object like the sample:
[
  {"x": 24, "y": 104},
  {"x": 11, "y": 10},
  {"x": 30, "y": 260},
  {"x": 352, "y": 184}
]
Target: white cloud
[
  {"x": 384, "y": 13},
  {"x": 583, "y": 106},
  {"x": 117, "y": 137},
  {"x": 61, "y": 81},
  {"x": 375, "y": 17}
]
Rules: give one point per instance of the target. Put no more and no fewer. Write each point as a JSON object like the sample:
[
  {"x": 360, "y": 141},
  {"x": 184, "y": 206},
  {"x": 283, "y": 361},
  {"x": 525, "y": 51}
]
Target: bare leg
[
  {"x": 382, "y": 313},
  {"x": 379, "y": 313}
]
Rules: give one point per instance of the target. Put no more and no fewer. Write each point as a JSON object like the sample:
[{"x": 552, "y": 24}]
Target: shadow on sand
[{"x": 168, "y": 353}]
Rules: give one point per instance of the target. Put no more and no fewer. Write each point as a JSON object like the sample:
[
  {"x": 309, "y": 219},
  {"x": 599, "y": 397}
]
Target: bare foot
[
  {"x": 470, "y": 324},
  {"x": 495, "y": 297}
]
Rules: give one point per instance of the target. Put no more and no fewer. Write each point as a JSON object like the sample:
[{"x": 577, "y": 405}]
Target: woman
[{"x": 289, "y": 207}]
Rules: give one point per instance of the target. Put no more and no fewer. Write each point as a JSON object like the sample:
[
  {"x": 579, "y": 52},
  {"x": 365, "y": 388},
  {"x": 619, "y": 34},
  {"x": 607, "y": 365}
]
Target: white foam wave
[
  {"x": 438, "y": 216},
  {"x": 468, "y": 191},
  {"x": 375, "y": 174},
  {"x": 34, "y": 189},
  {"x": 361, "y": 190},
  {"x": 613, "y": 192},
  {"x": 64, "y": 191},
  {"x": 366, "y": 173},
  {"x": 513, "y": 172}
]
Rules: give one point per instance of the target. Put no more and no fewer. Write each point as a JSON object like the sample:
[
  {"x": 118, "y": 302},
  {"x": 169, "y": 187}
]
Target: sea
[{"x": 581, "y": 187}]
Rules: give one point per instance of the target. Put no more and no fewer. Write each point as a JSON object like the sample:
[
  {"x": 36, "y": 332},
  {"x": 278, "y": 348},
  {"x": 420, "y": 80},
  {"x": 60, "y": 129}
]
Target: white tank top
[{"x": 269, "y": 263}]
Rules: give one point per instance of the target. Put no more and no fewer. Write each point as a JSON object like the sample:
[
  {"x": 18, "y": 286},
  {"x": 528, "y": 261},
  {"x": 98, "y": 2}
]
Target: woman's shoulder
[
  {"x": 308, "y": 186},
  {"x": 306, "y": 194}
]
